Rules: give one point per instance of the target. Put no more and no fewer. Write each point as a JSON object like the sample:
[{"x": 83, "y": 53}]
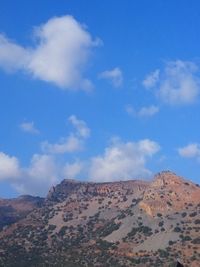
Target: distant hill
[
  {"x": 129, "y": 223},
  {"x": 12, "y": 210}
]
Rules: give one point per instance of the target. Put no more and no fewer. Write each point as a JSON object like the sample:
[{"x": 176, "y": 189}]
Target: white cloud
[
  {"x": 73, "y": 142},
  {"x": 151, "y": 79},
  {"x": 29, "y": 127},
  {"x": 12, "y": 56},
  {"x": 115, "y": 76},
  {"x": 9, "y": 167},
  {"x": 72, "y": 170},
  {"x": 65, "y": 145},
  {"x": 177, "y": 84},
  {"x": 42, "y": 173},
  {"x": 36, "y": 179},
  {"x": 122, "y": 161},
  {"x": 148, "y": 111},
  {"x": 80, "y": 125},
  {"x": 190, "y": 151},
  {"x": 63, "y": 47}
]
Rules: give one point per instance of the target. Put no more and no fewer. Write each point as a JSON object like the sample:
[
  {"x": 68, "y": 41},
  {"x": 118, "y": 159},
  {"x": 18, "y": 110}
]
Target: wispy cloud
[
  {"x": 148, "y": 111},
  {"x": 190, "y": 151},
  {"x": 73, "y": 142},
  {"x": 64, "y": 145},
  {"x": 177, "y": 84},
  {"x": 63, "y": 47},
  {"x": 29, "y": 127},
  {"x": 81, "y": 127},
  {"x": 114, "y": 76},
  {"x": 151, "y": 79}
]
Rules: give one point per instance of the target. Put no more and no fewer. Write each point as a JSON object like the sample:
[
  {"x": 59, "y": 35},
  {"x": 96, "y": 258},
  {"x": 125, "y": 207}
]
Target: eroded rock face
[
  {"x": 166, "y": 178},
  {"x": 169, "y": 192},
  {"x": 70, "y": 187},
  {"x": 63, "y": 190}
]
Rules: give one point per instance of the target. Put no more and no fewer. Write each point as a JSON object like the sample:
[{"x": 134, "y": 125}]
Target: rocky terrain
[
  {"x": 131, "y": 223},
  {"x": 12, "y": 210}
]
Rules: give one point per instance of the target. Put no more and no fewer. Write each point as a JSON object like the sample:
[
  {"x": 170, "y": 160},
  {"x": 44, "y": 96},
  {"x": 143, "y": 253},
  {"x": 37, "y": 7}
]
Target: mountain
[
  {"x": 128, "y": 223},
  {"x": 12, "y": 210}
]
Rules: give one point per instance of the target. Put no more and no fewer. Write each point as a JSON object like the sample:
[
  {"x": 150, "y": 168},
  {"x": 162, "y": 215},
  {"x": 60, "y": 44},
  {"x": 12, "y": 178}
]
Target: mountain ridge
[{"x": 123, "y": 223}]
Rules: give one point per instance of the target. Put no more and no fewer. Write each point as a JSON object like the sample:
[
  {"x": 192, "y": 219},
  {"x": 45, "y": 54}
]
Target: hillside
[
  {"x": 129, "y": 223},
  {"x": 13, "y": 210}
]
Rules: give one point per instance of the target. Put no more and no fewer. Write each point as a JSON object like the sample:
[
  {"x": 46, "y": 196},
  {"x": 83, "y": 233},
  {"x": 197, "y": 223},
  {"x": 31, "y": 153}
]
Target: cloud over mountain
[
  {"x": 120, "y": 161},
  {"x": 123, "y": 161}
]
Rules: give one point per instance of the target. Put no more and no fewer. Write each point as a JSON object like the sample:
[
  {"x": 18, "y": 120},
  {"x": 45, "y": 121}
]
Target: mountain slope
[
  {"x": 131, "y": 223},
  {"x": 13, "y": 210}
]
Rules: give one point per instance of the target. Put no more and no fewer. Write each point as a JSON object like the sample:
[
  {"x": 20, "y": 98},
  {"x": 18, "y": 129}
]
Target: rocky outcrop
[
  {"x": 69, "y": 188},
  {"x": 169, "y": 192}
]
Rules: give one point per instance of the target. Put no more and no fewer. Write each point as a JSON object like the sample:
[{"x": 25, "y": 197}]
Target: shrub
[
  {"x": 104, "y": 245},
  {"x": 193, "y": 214},
  {"x": 63, "y": 230},
  {"x": 171, "y": 242},
  {"x": 121, "y": 216},
  {"x": 109, "y": 228},
  {"x": 196, "y": 240},
  {"x": 52, "y": 227},
  {"x": 177, "y": 229},
  {"x": 163, "y": 253},
  {"x": 186, "y": 238},
  {"x": 184, "y": 214}
]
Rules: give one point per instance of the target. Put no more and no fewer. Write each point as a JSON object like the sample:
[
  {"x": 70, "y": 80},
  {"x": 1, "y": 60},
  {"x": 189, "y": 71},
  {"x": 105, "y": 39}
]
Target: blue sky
[{"x": 97, "y": 90}]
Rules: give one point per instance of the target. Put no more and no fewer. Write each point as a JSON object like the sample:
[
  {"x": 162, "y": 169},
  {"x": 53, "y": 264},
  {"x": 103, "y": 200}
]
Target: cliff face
[
  {"x": 129, "y": 223},
  {"x": 169, "y": 192},
  {"x": 72, "y": 188}
]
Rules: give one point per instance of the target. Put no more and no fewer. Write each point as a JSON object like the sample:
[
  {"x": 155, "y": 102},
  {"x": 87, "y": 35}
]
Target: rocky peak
[
  {"x": 166, "y": 178},
  {"x": 63, "y": 190},
  {"x": 169, "y": 192}
]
